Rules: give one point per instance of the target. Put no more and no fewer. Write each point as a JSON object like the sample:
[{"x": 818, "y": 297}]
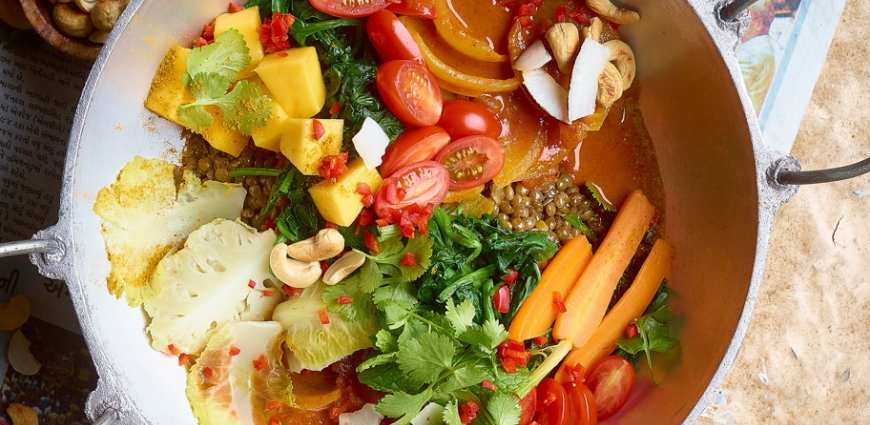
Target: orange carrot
[
  {"x": 630, "y": 307},
  {"x": 537, "y": 312},
  {"x": 587, "y": 302}
]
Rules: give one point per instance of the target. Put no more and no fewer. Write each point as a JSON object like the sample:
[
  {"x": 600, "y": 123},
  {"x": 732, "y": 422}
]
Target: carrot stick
[
  {"x": 631, "y": 306},
  {"x": 537, "y": 313},
  {"x": 587, "y": 302}
]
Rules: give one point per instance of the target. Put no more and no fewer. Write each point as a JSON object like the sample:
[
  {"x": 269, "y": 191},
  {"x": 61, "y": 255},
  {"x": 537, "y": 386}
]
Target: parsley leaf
[
  {"x": 504, "y": 408},
  {"x": 461, "y": 317},
  {"x": 463, "y": 377},
  {"x": 389, "y": 378},
  {"x": 653, "y": 330},
  {"x": 451, "y": 414},
  {"x": 211, "y": 71},
  {"x": 426, "y": 357},
  {"x": 403, "y": 406},
  {"x": 361, "y": 306},
  {"x": 489, "y": 335}
]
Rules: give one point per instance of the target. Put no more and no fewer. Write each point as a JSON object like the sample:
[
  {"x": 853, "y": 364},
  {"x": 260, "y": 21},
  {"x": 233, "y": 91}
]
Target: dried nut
[
  {"x": 14, "y": 313},
  {"x": 564, "y": 39},
  {"x": 12, "y": 14},
  {"x": 594, "y": 29},
  {"x": 609, "y": 11},
  {"x": 293, "y": 273},
  {"x": 21, "y": 414},
  {"x": 86, "y": 5},
  {"x": 99, "y": 36},
  {"x": 326, "y": 244},
  {"x": 623, "y": 57},
  {"x": 19, "y": 355},
  {"x": 106, "y": 13},
  {"x": 609, "y": 85},
  {"x": 72, "y": 21},
  {"x": 343, "y": 267}
]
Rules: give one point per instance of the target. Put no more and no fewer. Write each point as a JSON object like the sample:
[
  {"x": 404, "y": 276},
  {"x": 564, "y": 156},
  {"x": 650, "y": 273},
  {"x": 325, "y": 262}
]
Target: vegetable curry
[{"x": 428, "y": 211}]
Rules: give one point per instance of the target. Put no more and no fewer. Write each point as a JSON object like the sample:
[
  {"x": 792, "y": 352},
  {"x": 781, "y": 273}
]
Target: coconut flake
[
  {"x": 371, "y": 143},
  {"x": 549, "y": 95},
  {"x": 584, "y": 79},
  {"x": 535, "y": 56}
]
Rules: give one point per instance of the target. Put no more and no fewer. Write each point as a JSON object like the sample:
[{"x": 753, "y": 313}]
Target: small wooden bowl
[{"x": 38, "y": 12}]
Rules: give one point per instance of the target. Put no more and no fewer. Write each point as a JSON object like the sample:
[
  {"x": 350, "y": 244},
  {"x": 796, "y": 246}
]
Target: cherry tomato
[
  {"x": 552, "y": 403},
  {"x": 413, "y": 146},
  {"x": 345, "y": 9},
  {"x": 462, "y": 118},
  {"x": 410, "y": 92},
  {"x": 471, "y": 161},
  {"x": 527, "y": 408},
  {"x": 419, "y": 8},
  {"x": 581, "y": 403},
  {"x": 391, "y": 39},
  {"x": 611, "y": 381},
  {"x": 421, "y": 183}
]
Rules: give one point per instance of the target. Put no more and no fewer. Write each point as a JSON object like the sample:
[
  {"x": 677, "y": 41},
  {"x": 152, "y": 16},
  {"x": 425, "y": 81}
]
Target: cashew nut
[
  {"x": 611, "y": 12},
  {"x": 106, "y": 13},
  {"x": 72, "y": 21},
  {"x": 623, "y": 57},
  {"x": 326, "y": 244},
  {"x": 21, "y": 414},
  {"x": 594, "y": 29},
  {"x": 86, "y": 5},
  {"x": 294, "y": 273},
  {"x": 99, "y": 36},
  {"x": 609, "y": 85},
  {"x": 343, "y": 267},
  {"x": 19, "y": 356},
  {"x": 564, "y": 39},
  {"x": 14, "y": 313}
]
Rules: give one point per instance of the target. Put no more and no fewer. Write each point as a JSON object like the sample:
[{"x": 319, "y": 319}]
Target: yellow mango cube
[
  {"x": 246, "y": 22},
  {"x": 269, "y": 136},
  {"x": 167, "y": 93},
  {"x": 339, "y": 202},
  {"x": 303, "y": 150},
  {"x": 295, "y": 80}
]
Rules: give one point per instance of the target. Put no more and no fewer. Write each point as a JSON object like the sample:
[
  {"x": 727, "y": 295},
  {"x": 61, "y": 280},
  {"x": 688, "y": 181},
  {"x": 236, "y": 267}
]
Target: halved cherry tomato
[
  {"x": 611, "y": 381},
  {"x": 471, "y": 161},
  {"x": 391, "y": 39},
  {"x": 527, "y": 408},
  {"x": 422, "y": 183},
  {"x": 462, "y": 118},
  {"x": 419, "y": 8},
  {"x": 552, "y": 403},
  {"x": 581, "y": 403},
  {"x": 412, "y": 146},
  {"x": 354, "y": 9},
  {"x": 410, "y": 92}
]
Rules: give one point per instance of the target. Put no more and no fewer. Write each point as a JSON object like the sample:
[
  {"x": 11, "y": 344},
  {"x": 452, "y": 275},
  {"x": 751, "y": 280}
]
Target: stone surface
[{"x": 804, "y": 360}]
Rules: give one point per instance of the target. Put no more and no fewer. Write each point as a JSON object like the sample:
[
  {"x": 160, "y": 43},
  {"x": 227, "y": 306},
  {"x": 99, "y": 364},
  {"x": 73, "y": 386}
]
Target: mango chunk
[
  {"x": 295, "y": 80},
  {"x": 339, "y": 202},
  {"x": 303, "y": 150},
  {"x": 246, "y": 22},
  {"x": 167, "y": 93},
  {"x": 269, "y": 136}
]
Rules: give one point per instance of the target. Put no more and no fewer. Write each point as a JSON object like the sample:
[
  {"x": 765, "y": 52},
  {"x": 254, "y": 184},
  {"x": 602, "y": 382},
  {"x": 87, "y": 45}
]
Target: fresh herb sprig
[
  {"x": 211, "y": 78},
  {"x": 654, "y": 331}
]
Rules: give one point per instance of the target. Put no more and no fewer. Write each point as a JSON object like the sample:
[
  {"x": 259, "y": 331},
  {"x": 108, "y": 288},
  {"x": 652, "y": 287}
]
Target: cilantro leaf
[
  {"x": 504, "y": 408},
  {"x": 653, "y": 330},
  {"x": 400, "y": 294},
  {"x": 421, "y": 248},
  {"x": 596, "y": 193},
  {"x": 463, "y": 377},
  {"x": 489, "y": 335},
  {"x": 426, "y": 357},
  {"x": 511, "y": 382},
  {"x": 226, "y": 57},
  {"x": 580, "y": 225},
  {"x": 370, "y": 276},
  {"x": 403, "y": 406},
  {"x": 461, "y": 317},
  {"x": 361, "y": 306},
  {"x": 451, "y": 414},
  {"x": 389, "y": 378},
  {"x": 386, "y": 341},
  {"x": 377, "y": 361}
]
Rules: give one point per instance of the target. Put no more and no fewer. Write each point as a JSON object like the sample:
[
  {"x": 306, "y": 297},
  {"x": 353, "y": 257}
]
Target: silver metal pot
[{"x": 720, "y": 183}]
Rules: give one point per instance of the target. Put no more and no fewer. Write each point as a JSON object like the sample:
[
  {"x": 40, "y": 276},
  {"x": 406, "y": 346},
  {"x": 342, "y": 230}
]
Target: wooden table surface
[{"x": 804, "y": 359}]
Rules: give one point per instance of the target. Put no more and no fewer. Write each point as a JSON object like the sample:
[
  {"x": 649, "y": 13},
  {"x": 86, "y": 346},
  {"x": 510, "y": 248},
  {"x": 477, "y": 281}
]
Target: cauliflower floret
[
  {"x": 207, "y": 284},
  {"x": 144, "y": 218}
]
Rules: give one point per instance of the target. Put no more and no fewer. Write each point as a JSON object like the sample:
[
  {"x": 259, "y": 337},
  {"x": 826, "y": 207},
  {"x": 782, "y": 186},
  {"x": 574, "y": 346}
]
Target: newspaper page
[
  {"x": 39, "y": 91},
  {"x": 781, "y": 57}
]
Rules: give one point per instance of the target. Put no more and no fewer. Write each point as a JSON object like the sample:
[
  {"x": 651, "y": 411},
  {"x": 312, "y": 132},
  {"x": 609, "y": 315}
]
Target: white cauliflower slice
[
  {"x": 144, "y": 218},
  {"x": 207, "y": 284}
]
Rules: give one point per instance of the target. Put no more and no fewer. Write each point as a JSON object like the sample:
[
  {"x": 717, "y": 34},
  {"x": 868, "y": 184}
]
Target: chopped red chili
[
  {"x": 368, "y": 198},
  {"x": 409, "y": 260},
  {"x": 511, "y": 277},
  {"x": 333, "y": 166},
  {"x": 173, "y": 350},
  {"x": 274, "y": 421},
  {"x": 381, "y": 222},
  {"x": 208, "y": 31},
  {"x": 558, "y": 304},
  {"x": 509, "y": 365},
  {"x": 324, "y": 266},
  {"x": 234, "y": 8},
  {"x": 489, "y": 385},
  {"x": 235, "y": 351},
  {"x": 372, "y": 243},
  {"x": 273, "y": 405},
  {"x": 631, "y": 330},
  {"x": 541, "y": 340},
  {"x": 207, "y": 371},
  {"x": 252, "y": 284},
  {"x": 561, "y": 12},
  {"x": 291, "y": 291},
  {"x": 336, "y": 107},
  {"x": 273, "y": 32},
  {"x": 502, "y": 299},
  {"x": 344, "y": 300},
  {"x": 268, "y": 293},
  {"x": 576, "y": 373},
  {"x": 183, "y": 359},
  {"x": 319, "y": 130},
  {"x": 548, "y": 399},
  {"x": 468, "y": 411},
  {"x": 331, "y": 225},
  {"x": 323, "y": 317},
  {"x": 261, "y": 362}
]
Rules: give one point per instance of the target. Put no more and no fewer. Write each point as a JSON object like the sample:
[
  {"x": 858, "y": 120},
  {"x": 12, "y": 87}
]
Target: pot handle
[
  {"x": 32, "y": 246},
  {"x": 732, "y": 10},
  {"x": 785, "y": 176}
]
